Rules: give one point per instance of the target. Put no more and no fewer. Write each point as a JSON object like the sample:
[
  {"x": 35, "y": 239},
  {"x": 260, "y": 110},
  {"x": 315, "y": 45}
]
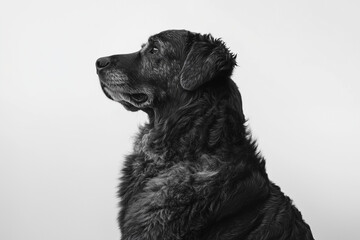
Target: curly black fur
[{"x": 195, "y": 172}]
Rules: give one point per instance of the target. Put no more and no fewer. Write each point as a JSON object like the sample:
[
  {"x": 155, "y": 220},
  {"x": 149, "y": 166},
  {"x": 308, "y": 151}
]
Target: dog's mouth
[
  {"x": 132, "y": 101},
  {"x": 139, "y": 98}
]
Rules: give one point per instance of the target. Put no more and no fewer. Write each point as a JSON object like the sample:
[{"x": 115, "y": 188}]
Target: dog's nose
[{"x": 102, "y": 63}]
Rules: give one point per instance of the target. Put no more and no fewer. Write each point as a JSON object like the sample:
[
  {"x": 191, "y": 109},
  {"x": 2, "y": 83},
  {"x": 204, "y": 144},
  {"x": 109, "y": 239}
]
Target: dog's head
[{"x": 172, "y": 65}]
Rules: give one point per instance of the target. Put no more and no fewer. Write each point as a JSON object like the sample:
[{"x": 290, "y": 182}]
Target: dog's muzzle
[{"x": 115, "y": 77}]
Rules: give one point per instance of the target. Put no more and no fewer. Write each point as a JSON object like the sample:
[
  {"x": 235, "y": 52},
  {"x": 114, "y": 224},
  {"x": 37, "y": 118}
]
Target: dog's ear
[{"x": 207, "y": 59}]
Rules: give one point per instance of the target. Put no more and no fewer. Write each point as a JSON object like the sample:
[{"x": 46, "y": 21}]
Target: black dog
[{"x": 195, "y": 172}]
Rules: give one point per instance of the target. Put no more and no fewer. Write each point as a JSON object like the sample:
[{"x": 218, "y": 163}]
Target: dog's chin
[
  {"x": 131, "y": 101},
  {"x": 128, "y": 106}
]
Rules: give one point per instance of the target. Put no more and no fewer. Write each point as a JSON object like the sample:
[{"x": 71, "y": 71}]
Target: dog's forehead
[{"x": 170, "y": 36}]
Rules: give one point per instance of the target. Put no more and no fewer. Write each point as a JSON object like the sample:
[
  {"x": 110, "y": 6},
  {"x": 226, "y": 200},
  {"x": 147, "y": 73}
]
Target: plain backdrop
[{"x": 62, "y": 142}]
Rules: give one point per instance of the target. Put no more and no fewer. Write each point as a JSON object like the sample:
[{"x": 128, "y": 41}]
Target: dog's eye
[{"x": 153, "y": 50}]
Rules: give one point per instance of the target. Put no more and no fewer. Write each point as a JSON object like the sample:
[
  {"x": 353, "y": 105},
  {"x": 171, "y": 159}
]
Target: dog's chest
[{"x": 144, "y": 169}]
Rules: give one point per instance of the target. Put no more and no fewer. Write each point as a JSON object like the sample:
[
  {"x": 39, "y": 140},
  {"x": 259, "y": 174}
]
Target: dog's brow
[{"x": 153, "y": 39}]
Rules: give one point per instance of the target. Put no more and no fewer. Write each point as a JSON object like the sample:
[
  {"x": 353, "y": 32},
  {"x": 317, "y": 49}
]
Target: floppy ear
[{"x": 207, "y": 59}]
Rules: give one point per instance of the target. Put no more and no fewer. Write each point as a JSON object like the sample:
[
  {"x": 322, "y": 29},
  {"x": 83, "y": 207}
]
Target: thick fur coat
[{"x": 195, "y": 173}]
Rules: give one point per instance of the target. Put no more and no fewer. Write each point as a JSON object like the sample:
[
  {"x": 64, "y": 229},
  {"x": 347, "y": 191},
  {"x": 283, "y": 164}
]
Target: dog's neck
[{"x": 203, "y": 125}]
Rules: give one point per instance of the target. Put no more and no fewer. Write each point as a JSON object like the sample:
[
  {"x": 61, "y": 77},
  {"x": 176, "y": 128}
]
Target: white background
[{"x": 62, "y": 141}]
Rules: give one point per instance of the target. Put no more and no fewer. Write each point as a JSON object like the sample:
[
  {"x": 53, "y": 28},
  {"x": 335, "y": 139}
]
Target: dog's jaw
[
  {"x": 117, "y": 86},
  {"x": 132, "y": 101}
]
